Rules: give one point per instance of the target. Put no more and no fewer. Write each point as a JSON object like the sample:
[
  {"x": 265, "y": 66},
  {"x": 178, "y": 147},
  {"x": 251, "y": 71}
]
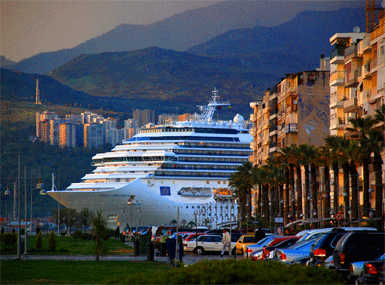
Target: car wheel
[{"x": 199, "y": 250}]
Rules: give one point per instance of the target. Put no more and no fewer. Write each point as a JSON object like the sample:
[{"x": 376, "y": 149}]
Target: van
[{"x": 357, "y": 246}]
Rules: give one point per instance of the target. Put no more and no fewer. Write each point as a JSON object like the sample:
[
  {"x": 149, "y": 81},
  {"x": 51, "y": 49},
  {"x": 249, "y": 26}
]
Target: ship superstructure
[{"x": 162, "y": 168}]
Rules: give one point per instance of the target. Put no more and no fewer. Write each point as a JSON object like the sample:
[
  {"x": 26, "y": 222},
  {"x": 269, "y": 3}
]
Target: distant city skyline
[{"x": 29, "y": 27}]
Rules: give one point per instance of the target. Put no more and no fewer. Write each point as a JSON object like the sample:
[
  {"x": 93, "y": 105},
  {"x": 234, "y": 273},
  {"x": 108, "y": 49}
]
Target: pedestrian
[
  {"x": 37, "y": 229},
  {"x": 259, "y": 234},
  {"x": 226, "y": 240}
]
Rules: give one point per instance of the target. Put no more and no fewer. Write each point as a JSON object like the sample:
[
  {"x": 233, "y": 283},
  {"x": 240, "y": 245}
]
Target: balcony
[
  {"x": 337, "y": 78},
  {"x": 253, "y": 118},
  {"x": 351, "y": 80},
  {"x": 337, "y": 124},
  {"x": 334, "y": 102},
  {"x": 291, "y": 128},
  {"x": 364, "y": 46},
  {"x": 366, "y": 71},
  {"x": 337, "y": 56},
  {"x": 350, "y": 106},
  {"x": 350, "y": 52}
]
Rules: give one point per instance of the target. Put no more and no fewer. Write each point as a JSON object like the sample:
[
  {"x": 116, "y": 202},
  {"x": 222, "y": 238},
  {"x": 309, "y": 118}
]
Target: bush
[
  {"x": 8, "y": 243},
  {"x": 52, "y": 242},
  {"x": 9, "y": 239},
  {"x": 77, "y": 234},
  {"x": 39, "y": 243},
  {"x": 245, "y": 271}
]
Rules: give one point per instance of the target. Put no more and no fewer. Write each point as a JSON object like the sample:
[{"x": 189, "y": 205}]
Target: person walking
[
  {"x": 226, "y": 240},
  {"x": 259, "y": 234}
]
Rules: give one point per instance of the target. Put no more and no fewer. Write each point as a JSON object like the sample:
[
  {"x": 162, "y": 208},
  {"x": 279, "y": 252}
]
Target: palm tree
[
  {"x": 325, "y": 160},
  {"x": 377, "y": 144},
  {"x": 242, "y": 182},
  {"x": 99, "y": 228},
  {"x": 354, "y": 154},
  {"x": 305, "y": 157},
  {"x": 288, "y": 158},
  {"x": 361, "y": 126},
  {"x": 275, "y": 179},
  {"x": 333, "y": 143}
]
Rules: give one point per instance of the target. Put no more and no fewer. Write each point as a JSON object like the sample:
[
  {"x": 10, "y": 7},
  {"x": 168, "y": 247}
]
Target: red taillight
[
  {"x": 371, "y": 269},
  {"x": 254, "y": 257},
  {"x": 249, "y": 250},
  {"x": 282, "y": 256},
  {"x": 320, "y": 252},
  {"x": 342, "y": 258}
]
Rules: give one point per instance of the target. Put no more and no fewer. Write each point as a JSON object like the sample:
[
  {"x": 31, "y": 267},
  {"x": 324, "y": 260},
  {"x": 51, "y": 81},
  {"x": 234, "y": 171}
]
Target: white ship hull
[{"x": 150, "y": 207}]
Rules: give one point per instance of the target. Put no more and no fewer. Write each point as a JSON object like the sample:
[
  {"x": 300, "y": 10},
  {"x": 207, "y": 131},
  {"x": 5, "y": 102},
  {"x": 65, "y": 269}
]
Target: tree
[
  {"x": 52, "y": 242},
  {"x": 99, "y": 228},
  {"x": 361, "y": 126},
  {"x": 85, "y": 218},
  {"x": 39, "y": 243},
  {"x": 333, "y": 143},
  {"x": 242, "y": 182}
]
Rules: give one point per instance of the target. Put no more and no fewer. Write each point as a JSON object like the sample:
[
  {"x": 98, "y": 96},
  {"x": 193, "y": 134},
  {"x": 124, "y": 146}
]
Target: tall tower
[{"x": 38, "y": 102}]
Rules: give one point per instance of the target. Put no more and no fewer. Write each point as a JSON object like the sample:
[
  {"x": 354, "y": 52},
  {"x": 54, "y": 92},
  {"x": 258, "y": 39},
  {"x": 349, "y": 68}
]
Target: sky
[
  {"x": 34, "y": 26},
  {"x": 29, "y": 27}
]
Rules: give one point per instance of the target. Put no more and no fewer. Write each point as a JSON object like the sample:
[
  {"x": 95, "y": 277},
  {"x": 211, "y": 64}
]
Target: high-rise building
[
  {"x": 143, "y": 117},
  {"x": 46, "y": 115},
  {"x": 67, "y": 135},
  {"x": 93, "y": 135},
  {"x": 55, "y": 130}
]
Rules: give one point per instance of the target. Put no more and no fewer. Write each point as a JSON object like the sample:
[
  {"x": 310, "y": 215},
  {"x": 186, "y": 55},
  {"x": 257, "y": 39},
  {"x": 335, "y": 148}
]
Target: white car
[{"x": 204, "y": 243}]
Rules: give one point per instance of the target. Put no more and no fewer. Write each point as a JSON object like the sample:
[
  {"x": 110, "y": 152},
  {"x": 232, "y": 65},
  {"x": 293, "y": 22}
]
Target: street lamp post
[{"x": 17, "y": 196}]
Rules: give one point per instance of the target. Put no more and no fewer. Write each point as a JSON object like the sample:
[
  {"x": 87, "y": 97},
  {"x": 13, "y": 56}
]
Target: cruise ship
[{"x": 167, "y": 173}]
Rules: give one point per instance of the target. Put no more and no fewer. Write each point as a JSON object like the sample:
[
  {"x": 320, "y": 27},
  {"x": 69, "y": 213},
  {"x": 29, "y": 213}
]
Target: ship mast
[{"x": 209, "y": 110}]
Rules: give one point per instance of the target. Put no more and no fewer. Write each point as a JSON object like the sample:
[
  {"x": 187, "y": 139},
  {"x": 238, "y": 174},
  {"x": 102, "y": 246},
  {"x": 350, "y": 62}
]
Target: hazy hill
[
  {"x": 159, "y": 74},
  {"x": 184, "y": 30},
  {"x": 5, "y": 61},
  {"x": 290, "y": 47},
  {"x": 19, "y": 86}
]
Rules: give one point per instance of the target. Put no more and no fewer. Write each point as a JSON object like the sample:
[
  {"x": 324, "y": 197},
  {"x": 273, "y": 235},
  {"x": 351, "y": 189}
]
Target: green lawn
[
  {"x": 70, "y": 246},
  {"x": 73, "y": 272}
]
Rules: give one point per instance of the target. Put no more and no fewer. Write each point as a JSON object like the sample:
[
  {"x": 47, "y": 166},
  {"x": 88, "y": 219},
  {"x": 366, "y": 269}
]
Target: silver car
[{"x": 295, "y": 253}]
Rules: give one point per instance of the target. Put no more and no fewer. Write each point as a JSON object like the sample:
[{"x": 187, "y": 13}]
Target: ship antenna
[{"x": 209, "y": 110}]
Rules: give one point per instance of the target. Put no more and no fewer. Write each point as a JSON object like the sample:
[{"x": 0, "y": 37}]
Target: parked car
[
  {"x": 205, "y": 243},
  {"x": 298, "y": 252},
  {"x": 357, "y": 246},
  {"x": 242, "y": 242},
  {"x": 323, "y": 247},
  {"x": 373, "y": 272},
  {"x": 356, "y": 268},
  {"x": 268, "y": 251},
  {"x": 329, "y": 262},
  {"x": 316, "y": 233},
  {"x": 266, "y": 241},
  {"x": 191, "y": 236}
]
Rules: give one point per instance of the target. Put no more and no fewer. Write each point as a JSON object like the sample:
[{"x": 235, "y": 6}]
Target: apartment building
[
  {"x": 144, "y": 117},
  {"x": 45, "y": 116},
  {"x": 67, "y": 135},
  {"x": 294, "y": 112},
  {"x": 357, "y": 76},
  {"x": 93, "y": 135}
]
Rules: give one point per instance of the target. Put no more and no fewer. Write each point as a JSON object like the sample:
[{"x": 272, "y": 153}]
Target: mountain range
[
  {"x": 241, "y": 63},
  {"x": 185, "y": 30}
]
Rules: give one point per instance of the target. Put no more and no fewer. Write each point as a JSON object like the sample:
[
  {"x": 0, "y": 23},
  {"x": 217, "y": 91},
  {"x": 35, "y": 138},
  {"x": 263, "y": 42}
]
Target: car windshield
[{"x": 248, "y": 239}]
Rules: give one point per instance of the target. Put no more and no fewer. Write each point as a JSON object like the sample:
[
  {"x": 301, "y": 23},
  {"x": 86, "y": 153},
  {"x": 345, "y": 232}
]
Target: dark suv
[
  {"x": 323, "y": 247},
  {"x": 357, "y": 246}
]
